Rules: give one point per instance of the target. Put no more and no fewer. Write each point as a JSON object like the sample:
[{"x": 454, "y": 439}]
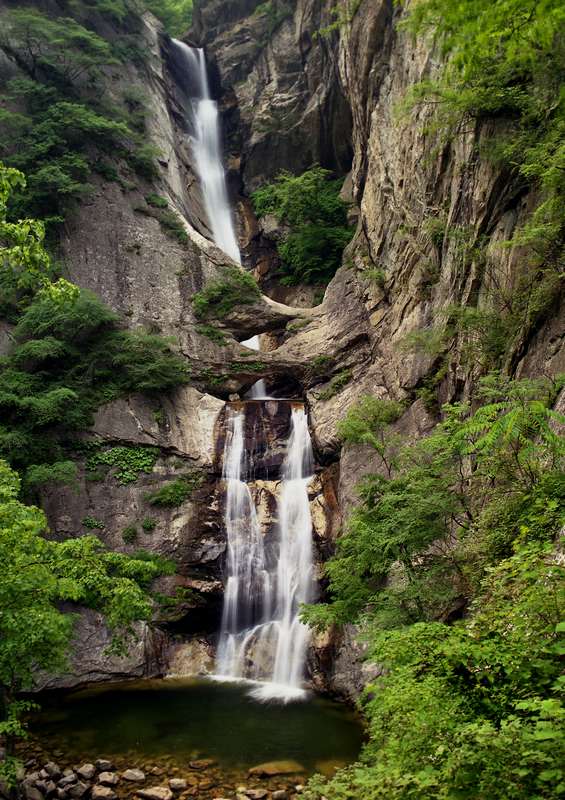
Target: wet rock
[
  {"x": 79, "y": 789},
  {"x": 133, "y": 775},
  {"x": 108, "y": 778},
  {"x": 270, "y": 768},
  {"x": 87, "y": 771},
  {"x": 103, "y": 765},
  {"x": 103, "y": 793},
  {"x": 155, "y": 793},
  {"x": 178, "y": 784},
  {"x": 202, "y": 763}
]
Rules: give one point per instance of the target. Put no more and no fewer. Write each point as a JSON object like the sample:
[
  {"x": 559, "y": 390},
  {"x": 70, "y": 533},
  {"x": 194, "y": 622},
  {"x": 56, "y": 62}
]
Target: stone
[
  {"x": 52, "y": 769},
  {"x": 50, "y": 788},
  {"x": 202, "y": 763},
  {"x": 103, "y": 793},
  {"x": 256, "y": 794},
  {"x": 279, "y": 794},
  {"x": 178, "y": 784},
  {"x": 87, "y": 771},
  {"x": 133, "y": 775},
  {"x": 66, "y": 780},
  {"x": 103, "y": 765},
  {"x": 62, "y": 793},
  {"x": 270, "y": 768},
  {"x": 108, "y": 778},
  {"x": 155, "y": 793},
  {"x": 79, "y": 789},
  {"x": 32, "y": 793}
]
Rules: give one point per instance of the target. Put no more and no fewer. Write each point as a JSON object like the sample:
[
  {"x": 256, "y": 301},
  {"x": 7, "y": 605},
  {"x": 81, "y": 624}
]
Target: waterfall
[
  {"x": 206, "y": 145},
  {"x": 262, "y": 638}
]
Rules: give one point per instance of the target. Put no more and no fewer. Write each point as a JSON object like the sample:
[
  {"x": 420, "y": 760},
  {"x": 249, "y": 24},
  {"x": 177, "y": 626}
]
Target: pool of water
[{"x": 185, "y": 719}]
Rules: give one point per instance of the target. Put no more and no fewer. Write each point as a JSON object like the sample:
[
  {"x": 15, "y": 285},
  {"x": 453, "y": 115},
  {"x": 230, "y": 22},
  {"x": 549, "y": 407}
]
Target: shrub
[
  {"x": 219, "y": 297},
  {"x": 310, "y": 205},
  {"x": 92, "y": 523},
  {"x": 337, "y": 383},
  {"x": 129, "y": 462},
  {"x": 148, "y": 524},
  {"x": 176, "y": 492},
  {"x": 129, "y": 534}
]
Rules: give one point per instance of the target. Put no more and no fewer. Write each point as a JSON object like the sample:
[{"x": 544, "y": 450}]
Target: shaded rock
[
  {"x": 67, "y": 779},
  {"x": 155, "y": 793},
  {"x": 32, "y": 793},
  {"x": 108, "y": 778},
  {"x": 256, "y": 794},
  {"x": 104, "y": 765},
  {"x": 279, "y": 794},
  {"x": 270, "y": 768},
  {"x": 52, "y": 769},
  {"x": 79, "y": 789},
  {"x": 87, "y": 771},
  {"x": 103, "y": 793},
  {"x": 133, "y": 775},
  {"x": 62, "y": 793}
]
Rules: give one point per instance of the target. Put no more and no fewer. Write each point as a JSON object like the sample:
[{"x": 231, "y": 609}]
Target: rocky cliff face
[{"x": 291, "y": 97}]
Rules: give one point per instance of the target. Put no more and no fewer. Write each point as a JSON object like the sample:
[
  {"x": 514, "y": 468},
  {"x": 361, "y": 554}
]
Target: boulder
[
  {"x": 178, "y": 784},
  {"x": 155, "y": 793},
  {"x": 100, "y": 792},
  {"x": 135, "y": 775},
  {"x": 108, "y": 778},
  {"x": 87, "y": 772}
]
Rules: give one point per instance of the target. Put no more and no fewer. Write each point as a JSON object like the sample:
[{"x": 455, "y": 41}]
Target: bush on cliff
[{"x": 316, "y": 216}]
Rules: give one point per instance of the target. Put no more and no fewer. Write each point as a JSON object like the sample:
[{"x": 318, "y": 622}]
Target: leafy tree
[
  {"x": 37, "y": 574},
  {"x": 60, "y": 49},
  {"x": 176, "y": 15},
  {"x": 310, "y": 205}
]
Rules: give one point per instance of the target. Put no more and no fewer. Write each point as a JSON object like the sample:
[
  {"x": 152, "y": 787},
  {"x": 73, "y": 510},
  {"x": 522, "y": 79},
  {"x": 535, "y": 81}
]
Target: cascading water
[
  {"x": 206, "y": 145},
  {"x": 261, "y": 636}
]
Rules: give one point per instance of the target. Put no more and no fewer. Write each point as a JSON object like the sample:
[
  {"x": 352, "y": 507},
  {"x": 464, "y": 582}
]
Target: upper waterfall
[{"x": 206, "y": 144}]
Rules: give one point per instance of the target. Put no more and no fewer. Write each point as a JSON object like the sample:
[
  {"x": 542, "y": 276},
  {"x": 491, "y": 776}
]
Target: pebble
[
  {"x": 133, "y": 775},
  {"x": 155, "y": 793},
  {"x": 103, "y": 793},
  {"x": 108, "y": 778},
  {"x": 87, "y": 771},
  {"x": 256, "y": 794},
  {"x": 202, "y": 763},
  {"x": 280, "y": 794}
]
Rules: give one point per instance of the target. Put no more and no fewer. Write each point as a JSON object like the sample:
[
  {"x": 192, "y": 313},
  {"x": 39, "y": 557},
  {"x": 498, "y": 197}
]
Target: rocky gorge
[{"x": 435, "y": 231}]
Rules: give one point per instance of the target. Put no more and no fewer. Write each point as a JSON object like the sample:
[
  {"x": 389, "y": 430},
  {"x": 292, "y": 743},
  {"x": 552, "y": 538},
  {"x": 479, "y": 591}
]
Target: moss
[
  {"x": 214, "y": 334},
  {"x": 156, "y": 201},
  {"x": 235, "y": 287},
  {"x": 92, "y": 523},
  {"x": 129, "y": 462},
  {"x": 148, "y": 524},
  {"x": 321, "y": 365}
]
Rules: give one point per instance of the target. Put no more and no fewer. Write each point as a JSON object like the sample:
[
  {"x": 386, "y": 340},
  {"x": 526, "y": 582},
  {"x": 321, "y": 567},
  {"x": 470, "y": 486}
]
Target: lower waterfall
[{"x": 262, "y": 638}]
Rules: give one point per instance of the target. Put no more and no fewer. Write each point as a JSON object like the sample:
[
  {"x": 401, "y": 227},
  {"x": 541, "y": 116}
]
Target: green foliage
[
  {"x": 337, "y": 383},
  {"x": 176, "y": 492},
  {"x": 214, "y": 334},
  {"x": 129, "y": 462},
  {"x": 310, "y": 205},
  {"x": 176, "y": 15},
  {"x": 37, "y": 576},
  {"x": 92, "y": 523},
  {"x": 156, "y": 201},
  {"x": 168, "y": 219},
  {"x": 129, "y": 534},
  {"x": 235, "y": 287},
  {"x": 465, "y": 519},
  {"x": 148, "y": 524},
  {"x": 506, "y": 62}
]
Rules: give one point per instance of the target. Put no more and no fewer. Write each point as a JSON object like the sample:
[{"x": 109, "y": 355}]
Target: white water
[
  {"x": 206, "y": 145},
  {"x": 262, "y": 638},
  {"x": 259, "y": 389}
]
